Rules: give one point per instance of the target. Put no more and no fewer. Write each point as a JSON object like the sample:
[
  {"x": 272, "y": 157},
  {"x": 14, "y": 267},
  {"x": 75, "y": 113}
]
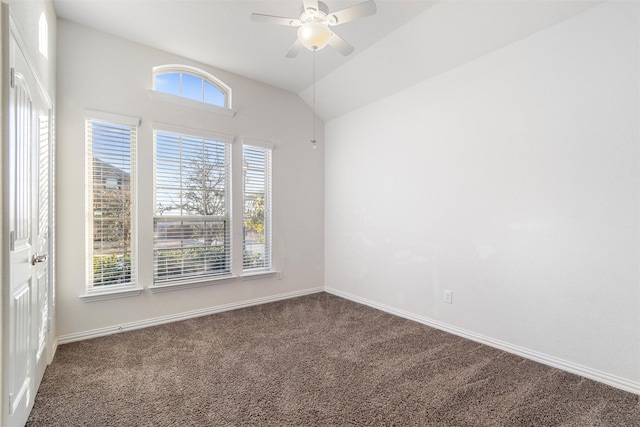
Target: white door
[{"x": 28, "y": 181}]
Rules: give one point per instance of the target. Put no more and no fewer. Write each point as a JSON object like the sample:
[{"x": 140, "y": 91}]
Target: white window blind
[
  {"x": 111, "y": 149},
  {"x": 192, "y": 224},
  {"x": 43, "y": 178},
  {"x": 257, "y": 207}
]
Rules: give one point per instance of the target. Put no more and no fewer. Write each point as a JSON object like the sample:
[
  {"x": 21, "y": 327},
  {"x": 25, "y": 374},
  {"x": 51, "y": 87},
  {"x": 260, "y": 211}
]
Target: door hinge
[
  {"x": 49, "y": 324},
  {"x": 10, "y": 403},
  {"x": 13, "y": 78},
  {"x": 12, "y": 240}
]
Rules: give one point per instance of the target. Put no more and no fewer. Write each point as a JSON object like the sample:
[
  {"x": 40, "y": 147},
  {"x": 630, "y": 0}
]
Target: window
[
  {"x": 256, "y": 184},
  {"x": 192, "y": 83},
  {"x": 192, "y": 222},
  {"x": 111, "y": 227}
]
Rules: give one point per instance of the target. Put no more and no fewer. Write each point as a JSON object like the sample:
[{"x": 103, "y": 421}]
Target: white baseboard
[
  {"x": 78, "y": 336},
  {"x": 593, "y": 374}
]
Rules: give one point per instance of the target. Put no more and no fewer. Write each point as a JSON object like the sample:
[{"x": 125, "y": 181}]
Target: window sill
[
  {"x": 185, "y": 102},
  {"x": 92, "y": 296},
  {"x": 174, "y": 286},
  {"x": 259, "y": 275}
]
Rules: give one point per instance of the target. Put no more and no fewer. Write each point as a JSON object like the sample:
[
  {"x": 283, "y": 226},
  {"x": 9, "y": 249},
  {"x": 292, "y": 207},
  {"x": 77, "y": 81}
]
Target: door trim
[{"x": 5, "y": 82}]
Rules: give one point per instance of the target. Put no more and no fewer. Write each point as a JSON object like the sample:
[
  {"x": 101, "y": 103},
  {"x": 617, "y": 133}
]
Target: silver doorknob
[{"x": 35, "y": 259}]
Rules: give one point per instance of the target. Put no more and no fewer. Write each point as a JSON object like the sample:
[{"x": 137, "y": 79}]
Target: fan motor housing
[{"x": 310, "y": 14}]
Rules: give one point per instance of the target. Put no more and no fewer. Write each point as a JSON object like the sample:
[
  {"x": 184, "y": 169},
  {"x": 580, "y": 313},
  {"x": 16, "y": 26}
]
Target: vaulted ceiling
[{"x": 404, "y": 43}]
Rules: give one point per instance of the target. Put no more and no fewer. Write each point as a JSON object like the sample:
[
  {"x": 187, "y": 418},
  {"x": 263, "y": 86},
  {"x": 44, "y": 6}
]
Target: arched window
[{"x": 191, "y": 83}]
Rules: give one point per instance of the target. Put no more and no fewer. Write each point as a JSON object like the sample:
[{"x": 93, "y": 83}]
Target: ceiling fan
[{"x": 314, "y": 22}]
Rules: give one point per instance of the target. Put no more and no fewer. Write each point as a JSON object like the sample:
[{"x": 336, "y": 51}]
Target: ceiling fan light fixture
[{"x": 314, "y": 35}]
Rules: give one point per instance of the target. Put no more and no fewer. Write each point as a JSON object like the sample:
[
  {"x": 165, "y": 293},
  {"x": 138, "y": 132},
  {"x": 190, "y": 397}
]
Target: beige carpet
[{"x": 317, "y": 360}]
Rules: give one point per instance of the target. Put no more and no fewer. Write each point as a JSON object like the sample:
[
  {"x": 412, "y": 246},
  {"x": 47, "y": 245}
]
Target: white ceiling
[
  {"x": 404, "y": 43},
  {"x": 447, "y": 35},
  {"x": 221, "y": 34}
]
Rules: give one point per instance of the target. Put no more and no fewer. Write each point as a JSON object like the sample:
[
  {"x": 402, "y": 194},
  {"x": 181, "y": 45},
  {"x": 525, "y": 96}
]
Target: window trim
[
  {"x": 197, "y": 133},
  {"x": 259, "y": 274},
  {"x": 118, "y": 119},
  {"x": 92, "y": 293},
  {"x": 193, "y": 283},
  {"x": 122, "y": 292},
  {"x": 186, "y": 102}
]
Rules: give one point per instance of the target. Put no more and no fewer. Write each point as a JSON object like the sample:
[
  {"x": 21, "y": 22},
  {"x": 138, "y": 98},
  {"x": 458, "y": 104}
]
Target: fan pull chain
[{"x": 313, "y": 100}]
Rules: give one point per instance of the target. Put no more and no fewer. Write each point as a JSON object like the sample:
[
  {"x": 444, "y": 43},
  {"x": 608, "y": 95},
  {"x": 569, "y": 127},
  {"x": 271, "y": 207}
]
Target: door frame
[{"x": 10, "y": 31}]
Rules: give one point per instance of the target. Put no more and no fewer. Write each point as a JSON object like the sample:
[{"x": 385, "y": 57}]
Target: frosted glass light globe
[{"x": 314, "y": 35}]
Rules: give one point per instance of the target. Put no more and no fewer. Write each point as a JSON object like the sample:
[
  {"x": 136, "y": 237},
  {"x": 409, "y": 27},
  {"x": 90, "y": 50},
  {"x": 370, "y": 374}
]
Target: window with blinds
[
  {"x": 256, "y": 217},
  {"x": 192, "y": 223},
  {"x": 111, "y": 196}
]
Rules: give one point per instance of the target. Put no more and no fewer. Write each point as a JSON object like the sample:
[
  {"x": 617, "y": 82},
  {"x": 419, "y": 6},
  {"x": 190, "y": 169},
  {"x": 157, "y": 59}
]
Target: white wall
[
  {"x": 512, "y": 180},
  {"x": 101, "y": 72}
]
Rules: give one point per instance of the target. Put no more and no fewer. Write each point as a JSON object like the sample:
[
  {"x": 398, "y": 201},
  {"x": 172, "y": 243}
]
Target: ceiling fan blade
[
  {"x": 278, "y": 20},
  {"x": 313, "y": 4},
  {"x": 352, "y": 13},
  {"x": 340, "y": 45},
  {"x": 294, "y": 49}
]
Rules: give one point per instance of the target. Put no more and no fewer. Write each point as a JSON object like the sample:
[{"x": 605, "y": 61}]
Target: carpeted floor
[{"x": 317, "y": 360}]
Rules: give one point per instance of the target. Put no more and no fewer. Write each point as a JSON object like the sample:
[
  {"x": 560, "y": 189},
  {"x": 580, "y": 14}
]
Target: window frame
[
  {"x": 267, "y": 206},
  {"x": 202, "y": 279},
  {"x": 132, "y": 288},
  {"x": 155, "y": 94}
]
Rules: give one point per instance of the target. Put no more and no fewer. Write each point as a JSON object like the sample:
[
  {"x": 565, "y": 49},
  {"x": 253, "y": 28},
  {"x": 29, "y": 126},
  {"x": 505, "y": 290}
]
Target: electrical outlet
[
  {"x": 279, "y": 275},
  {"x": 448, "y": 296}
]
